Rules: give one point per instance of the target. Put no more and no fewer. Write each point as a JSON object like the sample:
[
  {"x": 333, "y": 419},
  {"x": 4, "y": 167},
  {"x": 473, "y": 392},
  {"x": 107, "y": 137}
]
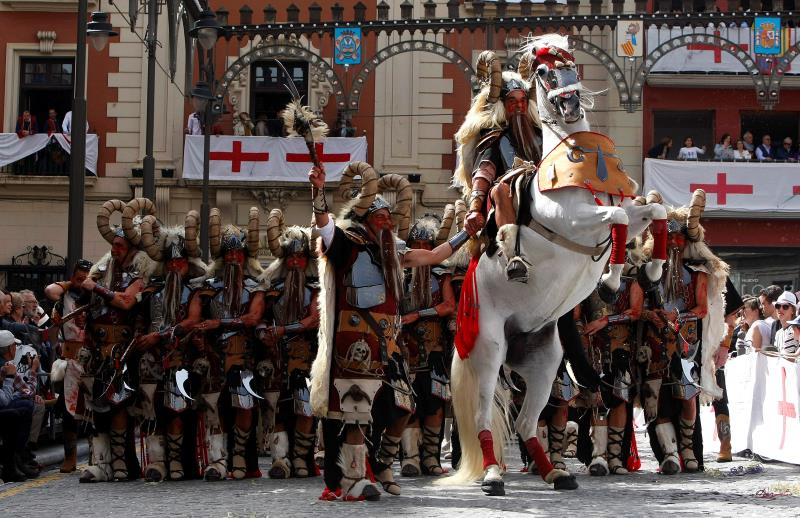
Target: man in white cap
[{"x": 786, "y": 309}]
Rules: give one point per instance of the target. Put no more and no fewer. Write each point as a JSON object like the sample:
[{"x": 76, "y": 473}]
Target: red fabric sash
[
  {"x": 468, "y": 311},
  {"x": 634, "y": 461}
]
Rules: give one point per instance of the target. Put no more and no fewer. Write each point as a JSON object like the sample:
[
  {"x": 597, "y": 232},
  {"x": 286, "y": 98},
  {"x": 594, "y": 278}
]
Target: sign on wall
[
  {"x": 767, "y": 35},
  {"x": 347, "y": 46},
  {"x": 630, "y": 38}
]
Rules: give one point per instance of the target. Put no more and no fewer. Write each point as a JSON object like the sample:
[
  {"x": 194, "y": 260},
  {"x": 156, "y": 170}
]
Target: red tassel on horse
[{"x": 467, "y": 325}]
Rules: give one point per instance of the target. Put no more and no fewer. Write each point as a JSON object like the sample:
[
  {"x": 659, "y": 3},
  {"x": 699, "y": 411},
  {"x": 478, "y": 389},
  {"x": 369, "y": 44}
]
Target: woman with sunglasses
[
  {"x": 758, "y": 331},
  {"x": 786, "y": 308}
]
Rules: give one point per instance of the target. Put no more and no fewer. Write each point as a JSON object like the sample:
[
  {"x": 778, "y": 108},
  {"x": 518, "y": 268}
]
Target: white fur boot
[
  {"x": 100, "y": 470},
  {"x": 410, "y": 464},
  {"x": 599, "y": 466},
  {"x": 217, "y": 458},
  {"x": 156, "y": 469},
  {"x": 665, "y": 433},
  {"x": 355, "y": 485},
  {"x": 279, "y": 449}
]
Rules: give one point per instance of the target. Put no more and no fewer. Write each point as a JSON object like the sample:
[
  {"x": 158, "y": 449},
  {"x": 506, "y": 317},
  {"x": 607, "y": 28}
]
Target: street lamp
[
  {"x": 99, "y": 30},
  {"x": 206, "y": 29}
]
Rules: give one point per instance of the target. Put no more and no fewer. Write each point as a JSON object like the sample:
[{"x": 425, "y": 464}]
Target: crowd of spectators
[
  {"x": 769, "y": 323},
  {"x": 25, "y": 358},
  {"x": 727, "y": 149}
]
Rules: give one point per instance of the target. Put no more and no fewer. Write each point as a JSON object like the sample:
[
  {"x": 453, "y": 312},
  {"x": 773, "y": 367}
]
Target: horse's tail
[{"x": 465, "y": 385}]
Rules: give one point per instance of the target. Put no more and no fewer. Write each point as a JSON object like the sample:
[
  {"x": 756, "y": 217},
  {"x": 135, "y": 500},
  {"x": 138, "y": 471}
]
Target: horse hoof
[
  {"x": 493, "y": 488},
  {"x": 606, "y": 294},
  {"x": 568, "y": 482}
]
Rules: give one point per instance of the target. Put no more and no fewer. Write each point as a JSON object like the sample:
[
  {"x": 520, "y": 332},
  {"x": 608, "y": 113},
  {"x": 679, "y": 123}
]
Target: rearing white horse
[{"x": 574, "y": 217}]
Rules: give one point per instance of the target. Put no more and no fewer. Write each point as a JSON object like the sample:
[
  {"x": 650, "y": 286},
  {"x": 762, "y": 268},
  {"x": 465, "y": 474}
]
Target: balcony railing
[{"x": 43, "y": 154}]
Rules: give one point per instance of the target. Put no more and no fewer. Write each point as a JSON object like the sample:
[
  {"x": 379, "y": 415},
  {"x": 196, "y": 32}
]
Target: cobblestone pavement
[{"x": 641, "y": 494}]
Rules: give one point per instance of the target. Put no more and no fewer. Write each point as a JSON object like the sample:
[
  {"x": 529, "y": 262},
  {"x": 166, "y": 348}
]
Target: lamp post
[
  {"x": 99, "y": 30},
  {"x": 206, "y": 29}
]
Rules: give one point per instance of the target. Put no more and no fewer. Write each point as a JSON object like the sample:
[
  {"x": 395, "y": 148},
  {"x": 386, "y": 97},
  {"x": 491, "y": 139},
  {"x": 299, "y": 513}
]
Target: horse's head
[{"x": 556, "y": 74}]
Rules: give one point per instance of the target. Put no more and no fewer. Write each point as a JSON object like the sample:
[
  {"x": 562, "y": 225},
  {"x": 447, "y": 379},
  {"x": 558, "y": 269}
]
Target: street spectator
[
  {"x": 741, "y": 152},
  {"x": 193, "y": 124},
  {"x": 764, "y": 151},
  {"x": 785, "y": 152},
  {"x": 794, "y": 324},
  {"x": 17, "y": 308},
  {"x": 18, "y": 397},
  {"x": 26, "y": 124},
  {"x": 20, "y": 330},
  {"x": 51, "y": 124},
  {"x": 723, "y": 150},
  {"x": 767, "y": 297},
  {"x": 689, "y": 151},
  {"x": 786, "y": 309},
  {"x": 758, "y": 331},
  {"x": 748, "y": 142},
  {"x": 660, "y": 150}
]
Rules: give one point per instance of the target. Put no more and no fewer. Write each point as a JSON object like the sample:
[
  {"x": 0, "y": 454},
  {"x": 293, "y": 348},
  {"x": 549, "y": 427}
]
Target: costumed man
[
  {"x": 733, "y": 303},
  {"x": 685, "y": 325},
  {"x": 163, "y": 343},
  {"x": 227, "y": 308},
  {"x": 66, "y": 372},
  {"x": 115, "y": 283},
  {"x": 359, "y": 376},
  {"x": 289, "y": 332},
  {"x": 427, "y": 306},
  {"x": 493, "y": 135},
  {"x": 609, "y": 336}
]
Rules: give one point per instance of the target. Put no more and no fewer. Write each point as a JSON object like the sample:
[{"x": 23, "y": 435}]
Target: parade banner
[
  {"x": 763, "y": 399},
  {"x": 729, "y": 186},
  {"x": 704, "y": 58},
  {"x": 630, "y": 38},
  {"x": 13, "y": 148},
  {"x": 262, "y": 159}
]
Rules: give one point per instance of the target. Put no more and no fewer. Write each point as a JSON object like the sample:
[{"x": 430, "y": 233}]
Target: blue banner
[
  {"x": 347, "y": 46},
  {"x": 767, "y": 35}
]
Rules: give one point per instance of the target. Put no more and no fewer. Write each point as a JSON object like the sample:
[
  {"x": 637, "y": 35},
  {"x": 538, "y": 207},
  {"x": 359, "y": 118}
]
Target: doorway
[
  {"x": 269, "y": 95},
  {"x": 46, "y": 83}
]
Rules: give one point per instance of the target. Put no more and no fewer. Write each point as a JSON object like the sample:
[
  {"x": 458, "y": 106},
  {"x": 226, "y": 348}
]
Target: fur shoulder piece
[{"x": 100, "y": 267}]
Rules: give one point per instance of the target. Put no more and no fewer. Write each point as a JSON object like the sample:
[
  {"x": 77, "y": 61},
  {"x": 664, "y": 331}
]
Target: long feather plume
[{"x": 299, "y": 120}]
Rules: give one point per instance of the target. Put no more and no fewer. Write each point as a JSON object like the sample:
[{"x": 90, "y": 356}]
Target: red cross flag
[
  {"x": 268, "y": 158},
  {"x": 730, "y": 186}
]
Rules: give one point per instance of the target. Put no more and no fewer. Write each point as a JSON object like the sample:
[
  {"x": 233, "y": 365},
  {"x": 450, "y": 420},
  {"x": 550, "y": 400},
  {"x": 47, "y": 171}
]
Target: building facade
[{"x": 408, "y": 96}]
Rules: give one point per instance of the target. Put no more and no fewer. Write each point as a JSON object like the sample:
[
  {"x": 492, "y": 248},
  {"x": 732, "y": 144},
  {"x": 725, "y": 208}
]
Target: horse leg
[
  {"x": 538, "y": 370},
  {"x": 488, "y": 357},
  {"x": 653, "y": 215}
]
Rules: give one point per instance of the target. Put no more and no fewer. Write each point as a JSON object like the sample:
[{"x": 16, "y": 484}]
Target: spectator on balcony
[
  {"x": 193, "y": 124},
  {"x": 66, "y": 125},
  {"x": 26, "y": 124},
  {"x": 723, "y": 150},
  {"x": 741, "y": 152},
  {"x": 785, "y": 152},
  {"x": 660, "y": 150},
  {"x": 786, "y": 308},
  {"x": 765, "y": 151},
  {"x": 689, "y": 151},
  {"x": 748, "y": 142},
  {"x": 51, "y": 125}
]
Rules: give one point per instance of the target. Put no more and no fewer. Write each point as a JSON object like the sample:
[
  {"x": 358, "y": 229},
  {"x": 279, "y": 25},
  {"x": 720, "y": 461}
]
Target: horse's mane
[
  {"x": 483, "y": 116},
  {"x": 531, "y": 44}
]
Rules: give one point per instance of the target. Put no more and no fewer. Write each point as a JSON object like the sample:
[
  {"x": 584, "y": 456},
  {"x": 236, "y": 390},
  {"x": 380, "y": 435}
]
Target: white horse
[{"x": 517, "y": 322}]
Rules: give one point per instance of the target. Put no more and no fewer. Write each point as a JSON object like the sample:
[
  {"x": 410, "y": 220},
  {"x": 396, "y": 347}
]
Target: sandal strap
[{"x": 614, "y": 439}]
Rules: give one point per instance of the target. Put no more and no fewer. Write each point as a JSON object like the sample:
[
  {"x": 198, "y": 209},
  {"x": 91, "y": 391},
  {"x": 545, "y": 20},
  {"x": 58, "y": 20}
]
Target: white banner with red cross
[
  {"x": 260, "y": 159},
  {"x": 729, "y": 186},
  {"x": 763, "y": 399}
]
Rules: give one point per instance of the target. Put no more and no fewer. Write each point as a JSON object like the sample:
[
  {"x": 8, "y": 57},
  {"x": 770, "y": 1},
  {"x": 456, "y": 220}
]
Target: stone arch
[
  {"x": 685, "y": 40},
  {"x": 286, "y": 51},
  {"x": 402, "y": 47},
  {"x": 602, "y": 57},
  {"x": 780, "y": 72}
]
